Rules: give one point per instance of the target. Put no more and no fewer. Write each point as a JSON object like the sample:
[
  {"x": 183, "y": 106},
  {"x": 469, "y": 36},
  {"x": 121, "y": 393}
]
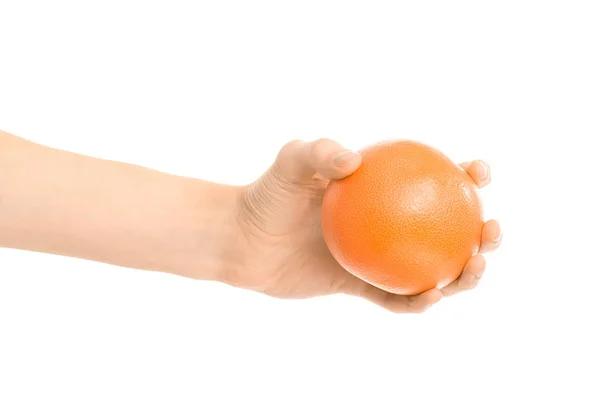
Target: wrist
[{"x": 205, "y": 243}]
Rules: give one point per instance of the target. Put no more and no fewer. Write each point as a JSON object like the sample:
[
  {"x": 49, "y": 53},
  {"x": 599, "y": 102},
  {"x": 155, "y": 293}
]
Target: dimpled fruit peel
[{"x": 406, "y": 221}]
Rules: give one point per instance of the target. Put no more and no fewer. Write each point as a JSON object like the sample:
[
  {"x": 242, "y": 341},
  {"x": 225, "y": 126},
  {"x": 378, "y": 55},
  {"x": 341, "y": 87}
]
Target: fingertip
[
  {"x": 483, "y": 169},
  {"x": 476, "y": 260},
  {"x": 479, "y": 171},
  {"x": 345, "y": 163},
  {"x": 465, "y": 165},
  {"x": 469, "y": 278},
  {"x": 299, "y": 160},
  {"x": 471, "y": 274},
  {"x": 495, "y": 230},
  {"x": 345, "y": 157},
  {"x": 332, "y": 160},
  {"x": 474, "y": 269},
  {"x": 491, "y": 236}
]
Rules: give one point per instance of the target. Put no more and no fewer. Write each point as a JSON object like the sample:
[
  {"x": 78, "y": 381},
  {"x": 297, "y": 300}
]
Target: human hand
[{"x": 286, "y": 256}]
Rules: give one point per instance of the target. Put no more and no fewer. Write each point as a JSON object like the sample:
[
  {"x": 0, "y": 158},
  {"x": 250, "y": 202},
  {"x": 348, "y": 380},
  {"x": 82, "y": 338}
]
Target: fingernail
[
  {"x": 344, "y": 158},
  {"x": 498, "y": 238},
  {"x": 483, "y": 171}
]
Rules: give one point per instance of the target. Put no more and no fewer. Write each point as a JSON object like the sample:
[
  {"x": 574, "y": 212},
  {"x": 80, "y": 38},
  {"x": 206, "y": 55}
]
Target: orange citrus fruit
[{"x": 406, "y": 221}]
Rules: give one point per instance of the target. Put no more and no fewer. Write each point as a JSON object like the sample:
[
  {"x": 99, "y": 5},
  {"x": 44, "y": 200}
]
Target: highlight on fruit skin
[{"x": 406, "y": 221}]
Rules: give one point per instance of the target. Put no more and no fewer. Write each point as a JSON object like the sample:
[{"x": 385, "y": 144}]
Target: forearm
[{"x": 67, "y": 204}]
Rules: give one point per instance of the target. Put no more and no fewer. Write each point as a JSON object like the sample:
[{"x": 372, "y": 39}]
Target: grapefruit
[{"x": 406, "y": 221}]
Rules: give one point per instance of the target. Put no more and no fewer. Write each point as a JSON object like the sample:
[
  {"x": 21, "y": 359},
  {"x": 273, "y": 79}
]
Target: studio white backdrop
[{"x": 212, "y": 89}]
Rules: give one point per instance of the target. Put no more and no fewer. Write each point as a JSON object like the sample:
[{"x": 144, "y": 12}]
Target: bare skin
[
  {"x": 265, "y": 237},
  {"x": 287, "y": 256}
]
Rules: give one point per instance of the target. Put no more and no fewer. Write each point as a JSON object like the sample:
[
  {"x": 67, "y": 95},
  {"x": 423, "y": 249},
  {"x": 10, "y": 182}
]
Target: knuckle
[
  {"x": 323, "y": 142},
  {"x": 321, "y": 146},
  {"x": 286, "y": 163},
  {"x": 291, "y": 147}
]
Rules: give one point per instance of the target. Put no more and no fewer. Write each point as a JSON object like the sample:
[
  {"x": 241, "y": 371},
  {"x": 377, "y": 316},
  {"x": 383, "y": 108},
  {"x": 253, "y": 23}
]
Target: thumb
[{"x": 298, "y": 161}]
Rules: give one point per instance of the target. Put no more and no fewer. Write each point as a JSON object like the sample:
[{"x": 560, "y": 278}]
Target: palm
[
  {"x": 287, "y": 230},
  {"x": 282, "y": 222}
]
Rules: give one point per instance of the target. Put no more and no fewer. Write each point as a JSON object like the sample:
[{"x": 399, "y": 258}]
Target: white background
[{"x": 212, "y": 89}]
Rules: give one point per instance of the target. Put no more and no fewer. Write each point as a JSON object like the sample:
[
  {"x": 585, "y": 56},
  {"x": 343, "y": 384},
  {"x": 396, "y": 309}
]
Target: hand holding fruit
[{"x": 286, "y": 254}]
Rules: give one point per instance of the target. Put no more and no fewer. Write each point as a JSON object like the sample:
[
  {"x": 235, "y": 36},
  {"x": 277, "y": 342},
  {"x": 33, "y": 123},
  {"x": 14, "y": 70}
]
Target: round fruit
[{"x": 406, "y": 221}]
